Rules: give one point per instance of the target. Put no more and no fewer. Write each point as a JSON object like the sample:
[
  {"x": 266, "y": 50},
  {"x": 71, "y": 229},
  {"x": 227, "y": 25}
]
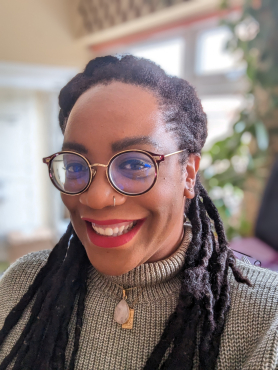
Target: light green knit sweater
[{"x": 249, "y": 341}]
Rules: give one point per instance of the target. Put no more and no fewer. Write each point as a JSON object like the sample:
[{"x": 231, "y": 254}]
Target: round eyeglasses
[{"x": 131, "y": 172}]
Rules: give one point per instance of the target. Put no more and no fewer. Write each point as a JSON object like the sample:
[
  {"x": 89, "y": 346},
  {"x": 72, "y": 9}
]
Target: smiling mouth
[
  {"x": 113, "y": 230},
  {"x": 112, "y": 233}
]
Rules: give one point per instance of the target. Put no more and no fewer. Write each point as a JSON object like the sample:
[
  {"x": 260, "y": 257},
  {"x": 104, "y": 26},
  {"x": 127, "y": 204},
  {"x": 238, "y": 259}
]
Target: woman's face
[{"x": 106, "y": 120}]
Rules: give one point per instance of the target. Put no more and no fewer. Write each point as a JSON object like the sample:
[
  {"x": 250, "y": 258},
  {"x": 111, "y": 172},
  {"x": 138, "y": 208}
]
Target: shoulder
[
  {"x": 18, "y": 277},
  {"x": 25, "y": 267},
  {"x": 260, "y": 300},
  {"x": 250, "y": 335},
  {"x": 264, "y": 284}
]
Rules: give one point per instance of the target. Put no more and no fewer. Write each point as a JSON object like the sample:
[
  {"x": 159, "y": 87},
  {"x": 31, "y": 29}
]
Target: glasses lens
[
  {"x": 132, "y": 172},
  {"x": 70, "y": 173}
]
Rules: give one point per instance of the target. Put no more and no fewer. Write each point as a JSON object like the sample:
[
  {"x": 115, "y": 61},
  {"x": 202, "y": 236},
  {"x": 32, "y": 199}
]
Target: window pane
[
  {"x": 221, "y": 113},
  {"x": 211, "y": 54},
  {"x": 167, "y": 54}
]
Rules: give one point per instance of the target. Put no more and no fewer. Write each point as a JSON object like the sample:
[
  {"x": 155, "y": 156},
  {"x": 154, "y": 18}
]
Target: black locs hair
[{"x": 204, "y": 297}]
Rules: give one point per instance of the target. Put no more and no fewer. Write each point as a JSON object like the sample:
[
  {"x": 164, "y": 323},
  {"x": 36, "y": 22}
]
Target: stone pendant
[{"x": 121, "y": 313}]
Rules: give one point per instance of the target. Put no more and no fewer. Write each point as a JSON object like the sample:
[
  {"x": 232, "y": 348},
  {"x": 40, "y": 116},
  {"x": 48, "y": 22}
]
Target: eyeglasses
[
  {"x": 131, "y": 172},
  {"x": 244, "y": 256}
]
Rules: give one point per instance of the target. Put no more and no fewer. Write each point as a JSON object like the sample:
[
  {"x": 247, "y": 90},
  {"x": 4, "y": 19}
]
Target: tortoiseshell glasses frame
[{"x": 155, "y": 158}]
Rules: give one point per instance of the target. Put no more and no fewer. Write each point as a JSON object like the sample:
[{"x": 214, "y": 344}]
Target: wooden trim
[
  {"x": 138, "y": 29},
  {"x": 100, "y": 48}
]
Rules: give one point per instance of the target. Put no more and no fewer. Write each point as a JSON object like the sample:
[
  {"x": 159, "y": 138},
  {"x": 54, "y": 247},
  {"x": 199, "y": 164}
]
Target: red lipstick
[
  {"x": 105, "y": 222},
  {"x": 105, "y": 241}
]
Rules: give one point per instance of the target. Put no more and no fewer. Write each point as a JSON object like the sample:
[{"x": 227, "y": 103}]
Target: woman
[{"x": 129, "y": 286}]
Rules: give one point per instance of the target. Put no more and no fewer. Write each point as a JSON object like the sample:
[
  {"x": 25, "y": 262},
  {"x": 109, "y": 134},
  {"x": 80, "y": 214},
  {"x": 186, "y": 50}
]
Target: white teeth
[
  {"x": 100, "y": 231},
  {"x": 108, "y": 231},
  {"x": 117, "y": 231}
]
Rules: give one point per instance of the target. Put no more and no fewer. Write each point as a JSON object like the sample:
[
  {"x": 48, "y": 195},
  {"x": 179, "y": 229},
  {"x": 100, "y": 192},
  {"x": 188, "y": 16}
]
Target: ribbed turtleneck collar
[{"x": 161, "y": 274}]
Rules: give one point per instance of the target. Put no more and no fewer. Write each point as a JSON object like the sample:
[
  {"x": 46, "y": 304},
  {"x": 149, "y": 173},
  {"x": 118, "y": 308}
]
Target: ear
[{"x": 191, "y": 168}]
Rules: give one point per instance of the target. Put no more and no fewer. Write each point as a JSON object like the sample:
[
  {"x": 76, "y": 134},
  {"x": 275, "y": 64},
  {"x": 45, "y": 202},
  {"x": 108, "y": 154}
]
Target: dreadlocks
[{"x": 204, "y": 296}]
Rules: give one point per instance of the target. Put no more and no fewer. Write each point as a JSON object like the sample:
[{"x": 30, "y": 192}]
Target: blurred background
[{"x": 227, "y": 49}]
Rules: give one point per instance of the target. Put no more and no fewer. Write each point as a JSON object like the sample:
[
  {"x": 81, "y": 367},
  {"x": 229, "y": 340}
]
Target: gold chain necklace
[{"x": 124, "y": 313}]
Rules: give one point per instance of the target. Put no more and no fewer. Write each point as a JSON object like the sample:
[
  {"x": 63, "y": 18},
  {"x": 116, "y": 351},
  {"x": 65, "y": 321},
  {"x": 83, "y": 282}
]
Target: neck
[{"x": 164, "y": 253}]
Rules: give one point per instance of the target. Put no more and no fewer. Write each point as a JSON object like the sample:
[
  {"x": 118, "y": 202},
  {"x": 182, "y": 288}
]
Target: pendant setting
[{"x": 129, "y": 323}]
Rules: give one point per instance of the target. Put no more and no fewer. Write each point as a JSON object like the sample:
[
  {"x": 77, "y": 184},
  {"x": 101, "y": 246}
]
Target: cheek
[
  {"x": 171, "y": 184},
  {"x": 166, "y": 198},
  {"x": 71, "y": 203}
]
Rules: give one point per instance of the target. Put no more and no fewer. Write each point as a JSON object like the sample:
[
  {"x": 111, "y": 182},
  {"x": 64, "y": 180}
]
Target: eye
[
  {"x": 75, "y": 167},
  {"x": 135, "y": 165}
]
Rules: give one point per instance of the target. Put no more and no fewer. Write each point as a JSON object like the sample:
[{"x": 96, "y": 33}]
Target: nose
[{"x": 100, "y": 193}]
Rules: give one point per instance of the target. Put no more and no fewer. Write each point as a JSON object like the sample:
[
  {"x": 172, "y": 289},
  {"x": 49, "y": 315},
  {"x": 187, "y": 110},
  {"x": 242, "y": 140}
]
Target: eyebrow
[
  {"x": 116, "y": 146},
  {"x": 75, "y": 146},
  {"x": 127, "y": 142}
]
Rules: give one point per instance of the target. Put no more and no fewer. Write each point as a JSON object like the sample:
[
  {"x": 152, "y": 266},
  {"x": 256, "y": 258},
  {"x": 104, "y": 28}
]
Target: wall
[{"x": 39, "y": 32}]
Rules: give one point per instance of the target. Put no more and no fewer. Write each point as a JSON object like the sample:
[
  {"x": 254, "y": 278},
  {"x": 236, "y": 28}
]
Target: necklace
[{"x": 124, "y": 313}]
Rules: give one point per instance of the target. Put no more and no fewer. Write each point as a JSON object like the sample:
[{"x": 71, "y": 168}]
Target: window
[
  {"x": 212, "y": 56},
  {"x": 168, "y": 54},
  {"x": 198, "y": 54},
  {"x": 221, "y": 112}
]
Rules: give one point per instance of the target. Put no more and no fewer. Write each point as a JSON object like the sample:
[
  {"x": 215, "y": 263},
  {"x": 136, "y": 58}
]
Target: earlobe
[
  {"x": 191, "y": 170},
  {"x": 189, "y": 192}
]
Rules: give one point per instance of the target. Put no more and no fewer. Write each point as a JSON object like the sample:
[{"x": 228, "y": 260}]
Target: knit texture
[{"x": 249, "y": 341}]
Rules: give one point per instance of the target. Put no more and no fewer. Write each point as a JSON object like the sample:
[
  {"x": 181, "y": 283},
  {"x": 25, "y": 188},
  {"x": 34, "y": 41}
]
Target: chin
[{"x": 112, "y": 262}]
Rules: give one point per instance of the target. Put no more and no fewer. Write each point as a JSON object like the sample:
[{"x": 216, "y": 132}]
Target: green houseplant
[{"x": 240, "y": 164}]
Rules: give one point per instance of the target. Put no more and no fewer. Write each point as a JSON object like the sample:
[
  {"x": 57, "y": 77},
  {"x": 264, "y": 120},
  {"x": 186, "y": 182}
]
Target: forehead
[{"x": 105, "y": 114}]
